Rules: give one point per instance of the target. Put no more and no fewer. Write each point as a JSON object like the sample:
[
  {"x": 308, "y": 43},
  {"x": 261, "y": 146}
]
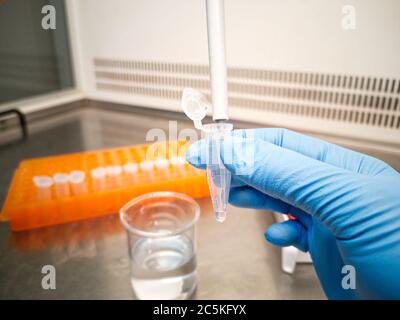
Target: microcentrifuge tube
[
  {"x": 177, "y": 161},
  {"x": 77, "y": 182},
  {"x": 113, "y": 170},
  {"x": 219, "y": 180},
  {"x": 162, "y": 166},
  {"x": 43, "y": 187},
  {"x": 98, "y": 178},
  {"x": 218, "y": 177},
  {"x": 146, "y": 165},
  {"x": 178, "y": 164},
  {"x": 195, "y": 106},
  {"x": 131, "y": 169},
  {"x": 61, "y": 183},
  {"x": 114, "y": 175}
]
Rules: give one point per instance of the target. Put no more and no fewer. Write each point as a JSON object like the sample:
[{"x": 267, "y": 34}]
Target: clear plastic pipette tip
[
  {"x": 220, "y": 216},
  {"x": 219, "y": 179}
]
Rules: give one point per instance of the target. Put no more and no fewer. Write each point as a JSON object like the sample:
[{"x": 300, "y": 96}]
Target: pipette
[
  {"x": 195, "y": 106},
  {"x": 217, "y": 59}
]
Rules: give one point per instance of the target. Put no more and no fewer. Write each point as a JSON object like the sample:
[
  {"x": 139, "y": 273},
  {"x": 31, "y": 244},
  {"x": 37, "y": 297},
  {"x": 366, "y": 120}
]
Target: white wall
[
  {"x": 308, "y": 36},
  {"x": 284, "y": 35},
  {"x": 276, "y": 34}
]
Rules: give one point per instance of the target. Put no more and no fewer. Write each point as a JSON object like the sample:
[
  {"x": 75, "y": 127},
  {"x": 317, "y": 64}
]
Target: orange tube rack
[{"x": 26, "y": 208}]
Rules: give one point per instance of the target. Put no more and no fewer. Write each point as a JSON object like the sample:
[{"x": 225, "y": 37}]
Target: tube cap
[{"x": 195, "y": 105}]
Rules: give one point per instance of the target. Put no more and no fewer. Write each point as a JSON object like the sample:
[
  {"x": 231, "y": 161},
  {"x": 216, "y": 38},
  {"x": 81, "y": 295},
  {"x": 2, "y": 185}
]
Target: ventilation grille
[{"x": 351, "y": 99}]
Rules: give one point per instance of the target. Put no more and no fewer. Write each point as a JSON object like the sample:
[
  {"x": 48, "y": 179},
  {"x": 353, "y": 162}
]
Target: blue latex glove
[{"x": 346, "y": 204}]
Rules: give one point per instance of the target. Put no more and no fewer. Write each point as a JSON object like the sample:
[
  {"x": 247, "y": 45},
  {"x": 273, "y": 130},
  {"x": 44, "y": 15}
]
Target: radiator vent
[{"x": 351, "y": 99}]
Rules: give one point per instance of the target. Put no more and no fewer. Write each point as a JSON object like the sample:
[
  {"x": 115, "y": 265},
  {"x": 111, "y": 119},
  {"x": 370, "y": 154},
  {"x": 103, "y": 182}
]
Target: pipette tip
[{"x": 220, "y": 216}]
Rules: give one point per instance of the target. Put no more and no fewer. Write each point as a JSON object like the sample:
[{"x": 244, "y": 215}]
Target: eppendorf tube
[
  {"x": 162, "y": 166},
  {"x": 147, "y": 167},
  {"x": 218, "y": 177},
  {"x": 61, "y": 182},
  {"x": 177, "y": 161},
  {"x": 43, "y": 187},
  {"x": 131, "y": 170},
  {"x": 114, "y": 175},
  {"x": 98, "y": 178},
  {"x": 178, "y": 164},
  {"x": 195, "y": 106},
  {"x": 77, "y": 182}
]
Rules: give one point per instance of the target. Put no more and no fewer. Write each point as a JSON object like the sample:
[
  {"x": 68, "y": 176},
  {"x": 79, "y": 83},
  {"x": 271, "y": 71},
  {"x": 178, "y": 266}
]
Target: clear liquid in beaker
[{"x": 163, "y": 268}]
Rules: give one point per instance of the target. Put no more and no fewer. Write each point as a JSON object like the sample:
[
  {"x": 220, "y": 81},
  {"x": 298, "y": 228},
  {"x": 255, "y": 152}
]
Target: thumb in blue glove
[{"x": 346, "y": 204}]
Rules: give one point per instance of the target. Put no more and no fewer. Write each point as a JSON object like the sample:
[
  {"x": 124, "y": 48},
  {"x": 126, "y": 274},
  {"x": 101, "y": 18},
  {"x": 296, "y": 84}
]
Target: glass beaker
[{"x": 162, "y": 244}]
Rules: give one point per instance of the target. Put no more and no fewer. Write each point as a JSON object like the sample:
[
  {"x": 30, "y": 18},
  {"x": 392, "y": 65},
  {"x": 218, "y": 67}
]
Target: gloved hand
[{"x": 346, "y": 204}]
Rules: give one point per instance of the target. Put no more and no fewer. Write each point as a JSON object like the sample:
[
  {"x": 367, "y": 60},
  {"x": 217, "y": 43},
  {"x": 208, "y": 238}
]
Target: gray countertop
[{"x": 91, "y": 256}]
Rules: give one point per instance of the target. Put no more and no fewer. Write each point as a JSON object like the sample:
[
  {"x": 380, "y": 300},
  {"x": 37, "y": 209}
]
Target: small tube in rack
[
  {"x": 77, "y": 182},
  {"x": 177, "y": 161},
  {"x": 146, "y": 165},
  {"x": 131, "y": 170},
  {"x": 43, "y": 187},
  {"x": 98, "y": 178},
  {"x": 162, "y": 166},
  {"x": 178, "y": 164},
  {"x": 114, "y": 175},
  {"x": 61, "y": 183}
]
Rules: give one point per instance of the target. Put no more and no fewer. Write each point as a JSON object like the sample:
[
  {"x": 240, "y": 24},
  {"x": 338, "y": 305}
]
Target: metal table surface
[{"x": 91, "y": 256}]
